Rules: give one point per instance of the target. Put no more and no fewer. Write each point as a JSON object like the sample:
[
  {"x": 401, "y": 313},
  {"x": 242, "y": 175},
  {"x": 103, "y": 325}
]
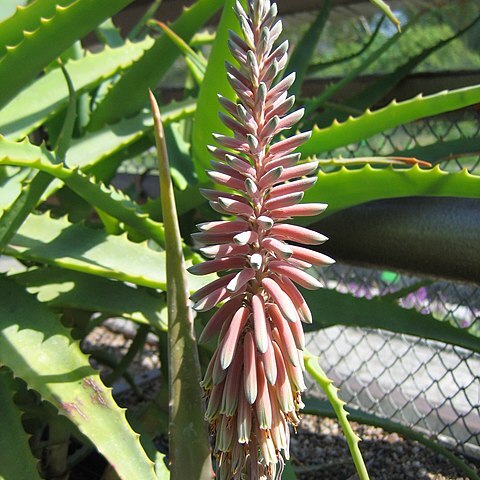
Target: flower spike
[{"x": 255, "y": 378}]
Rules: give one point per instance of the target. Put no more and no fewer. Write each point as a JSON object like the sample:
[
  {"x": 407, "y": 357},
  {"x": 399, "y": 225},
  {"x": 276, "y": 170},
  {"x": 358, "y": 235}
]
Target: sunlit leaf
[{"x": 61, "y": 373}]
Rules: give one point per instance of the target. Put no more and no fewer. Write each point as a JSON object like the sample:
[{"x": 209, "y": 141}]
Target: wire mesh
[
  {"x": 423, "y": 384},
  {"x": 419, "y": 383}
]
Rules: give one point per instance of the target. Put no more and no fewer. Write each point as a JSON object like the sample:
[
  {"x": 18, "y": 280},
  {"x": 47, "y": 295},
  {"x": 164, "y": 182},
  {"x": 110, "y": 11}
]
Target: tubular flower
[{"x": 255, "y": 377}]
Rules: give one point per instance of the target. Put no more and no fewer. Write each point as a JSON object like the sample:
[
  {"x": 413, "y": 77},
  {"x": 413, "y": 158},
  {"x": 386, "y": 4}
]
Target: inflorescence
[{"x": 255, "y": 378}]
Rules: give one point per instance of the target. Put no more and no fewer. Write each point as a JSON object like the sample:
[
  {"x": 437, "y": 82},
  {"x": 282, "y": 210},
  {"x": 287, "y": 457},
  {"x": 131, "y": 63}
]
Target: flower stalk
[
  {"x": 185, "y": 402},
  {"x": 254, "y": 381}
]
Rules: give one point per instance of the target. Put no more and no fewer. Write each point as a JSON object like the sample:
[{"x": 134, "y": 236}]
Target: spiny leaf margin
[
  {"x": 396, "y": 113},
  {"x": 61, "y": 373}
]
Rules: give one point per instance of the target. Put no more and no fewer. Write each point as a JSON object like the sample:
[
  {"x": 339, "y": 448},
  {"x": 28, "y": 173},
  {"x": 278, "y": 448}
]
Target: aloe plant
[{"x": 85, "y": 250}]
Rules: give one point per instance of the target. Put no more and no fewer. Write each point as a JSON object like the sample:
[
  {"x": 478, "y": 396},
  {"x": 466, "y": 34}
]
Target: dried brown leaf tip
[{"x": 255, "y": 378}]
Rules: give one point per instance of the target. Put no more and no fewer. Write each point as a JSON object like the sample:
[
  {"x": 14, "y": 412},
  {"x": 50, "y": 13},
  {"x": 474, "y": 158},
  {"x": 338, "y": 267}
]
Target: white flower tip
[
  {"x": 329, "y": 260},
  {"x": 256, "y": 261},
  {"x": 265, "y": 222},
  {"x": 241, "y": 238},
  {"x": 251, "y": 186},
  {"x": 225, "y": 202}
]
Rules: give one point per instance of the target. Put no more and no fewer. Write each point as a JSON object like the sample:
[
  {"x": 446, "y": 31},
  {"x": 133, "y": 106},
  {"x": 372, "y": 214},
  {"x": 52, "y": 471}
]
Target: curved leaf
[
  {"x": 61, "y": 288},
  {"x": 65, "y": 136},
  {"x": 312, "y": 104},
  {"x": 15, "y": 213},
  {"x": 384, "y": 7},
  {"x": 186, "y": 405},
  {"x": 32, "y": 190},
  {"x": 49, "y": 94},
  {"x": 128, "y": 95},
  {"x": 142, "y": 23},
  {"x": 13, "y": 439},
  {"x": 313, "y": 368},
  {"x": 323, "y": 65},
  {"x": 109, "y": 34},
  {"x": 368, "y": 183},
  {"x": 334, "y": 308},
  {"x": 396, "y": 113},
  {"x": 440, "y": 151},
  {"x": 26, "y": 19},
  {"x": 59, "y": 243},
  {"x": 54, "y": 35},
  {"x": 11, "y": 181},
  {"x": 38, "y": 349},
  {"x": 195, "y": 61}
]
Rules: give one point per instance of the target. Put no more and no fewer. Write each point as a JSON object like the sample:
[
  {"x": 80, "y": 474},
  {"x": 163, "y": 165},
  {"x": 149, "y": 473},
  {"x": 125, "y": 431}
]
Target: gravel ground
[{"x": 319, "y": 452}]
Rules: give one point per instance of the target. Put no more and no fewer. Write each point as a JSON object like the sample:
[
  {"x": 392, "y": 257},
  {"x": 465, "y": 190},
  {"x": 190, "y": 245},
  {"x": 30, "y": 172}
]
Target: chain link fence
[{"x": 423, "y": 384}]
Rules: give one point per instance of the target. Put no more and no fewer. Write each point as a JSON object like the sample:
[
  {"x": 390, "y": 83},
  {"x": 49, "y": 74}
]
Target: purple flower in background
[{"x": 255, "y": 377}]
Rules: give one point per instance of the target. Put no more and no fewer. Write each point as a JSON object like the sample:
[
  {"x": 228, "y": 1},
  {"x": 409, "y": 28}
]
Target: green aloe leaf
[
  {"x": 288, "y": 472},
  {"x": 31, "y": 193},
  {"x": 65, "y": 137},
  {"x": 54, "y": 35},
  {"x": 13, "y": 439},
  {"x": 61, "y": 288},
  {"x": 49, "y": 94},
  {"x": 368, "y": 183},
  {"x": 315, "y": 406},
  {"x": 440, "y": 151},
  {"x": 385, "y": 8},
  {"x": 38, "y": 349},
  {"x": 11, "y": 181},
  {"x": 215, "y": 82},
  {"x": 59, "y": 243},
  {"x": 161, "y": 470},
  {"x": 127, "y": 96},
  {"x": 186, "y": 404},
  {"x": 302, "y": 54},
  {"x": 333, "y": 308},
  {"x": 186, "y": 200},
  {"x": 109, "y": 34},
  {"x": 15, "y": 213},
  {"x": 182, "y": 169},
  {"x": 136, "y": 31},
  {"x": 111, "y": 201},
  {"x": 26, "y": 19},
  {"x": 313, "y": 368},
  {"x": 396, "y": 113}
]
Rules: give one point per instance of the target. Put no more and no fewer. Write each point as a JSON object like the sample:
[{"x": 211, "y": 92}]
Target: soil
[{"x": 319, "y": 452}]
